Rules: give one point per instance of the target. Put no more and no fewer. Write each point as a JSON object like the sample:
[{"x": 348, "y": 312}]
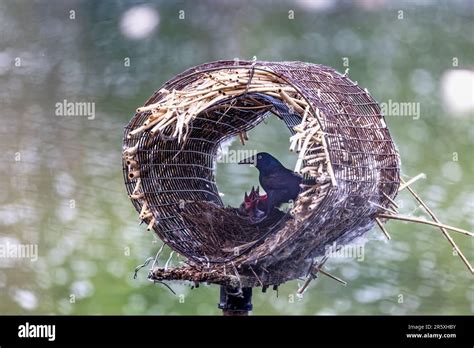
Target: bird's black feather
[{"x": 280, "y": 184}]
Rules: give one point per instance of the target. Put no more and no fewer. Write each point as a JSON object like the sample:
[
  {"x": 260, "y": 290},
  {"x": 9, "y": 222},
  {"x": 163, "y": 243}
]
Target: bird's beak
[{"x": 249, "y": 160}]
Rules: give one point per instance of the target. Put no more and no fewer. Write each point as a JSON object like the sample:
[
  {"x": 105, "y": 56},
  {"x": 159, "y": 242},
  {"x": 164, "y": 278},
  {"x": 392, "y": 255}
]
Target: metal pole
[{"x": 233, "y": 304}]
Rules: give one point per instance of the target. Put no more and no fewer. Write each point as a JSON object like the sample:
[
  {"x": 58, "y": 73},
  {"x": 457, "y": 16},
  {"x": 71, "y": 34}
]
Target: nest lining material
[{"x": 345, "y": 153}]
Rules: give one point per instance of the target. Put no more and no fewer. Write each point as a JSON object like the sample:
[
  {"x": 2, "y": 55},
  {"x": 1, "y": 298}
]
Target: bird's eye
[{"x": 259, "y": 156}]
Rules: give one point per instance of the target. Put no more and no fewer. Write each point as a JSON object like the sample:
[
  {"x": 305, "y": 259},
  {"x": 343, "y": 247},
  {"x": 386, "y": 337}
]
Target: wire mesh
[{"x": 179, "y": 186}]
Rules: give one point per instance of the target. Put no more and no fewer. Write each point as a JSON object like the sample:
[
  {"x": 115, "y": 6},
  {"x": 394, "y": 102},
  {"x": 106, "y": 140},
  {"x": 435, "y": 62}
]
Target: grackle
[{"x": 280, "y": 184}]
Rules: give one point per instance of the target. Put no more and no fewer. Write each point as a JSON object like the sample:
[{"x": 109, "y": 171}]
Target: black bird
[{"x": 280, "y": 184}]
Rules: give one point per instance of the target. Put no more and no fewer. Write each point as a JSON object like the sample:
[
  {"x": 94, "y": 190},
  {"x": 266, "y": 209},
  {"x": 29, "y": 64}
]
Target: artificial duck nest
[{"x": 349, "y": 163}]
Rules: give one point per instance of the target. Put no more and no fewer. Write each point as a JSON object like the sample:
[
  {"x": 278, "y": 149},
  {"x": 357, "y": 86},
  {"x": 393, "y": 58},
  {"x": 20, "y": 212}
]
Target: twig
[
  {"x": 151, "y": 224},
  {"x": 445, "y": 232},
  {"x": 144, "y": 209},
  {"x": 242, "y": 138},
  {"x": 426, "y": 222},
  {"x": 290, "y": 101},
  {"x": 381, "y": 207},
  {"x": 137, "y": 186},
  {"x": 256, "y": 276},
  {"x": 411, "y": 181},
  {"x": 312, "y": 274},
  {"x": 332, "y": 277},
  {"x": 382, "y": 227},
  {"x": 330, "y": 169},
  {"x": 391, "y": 200}
]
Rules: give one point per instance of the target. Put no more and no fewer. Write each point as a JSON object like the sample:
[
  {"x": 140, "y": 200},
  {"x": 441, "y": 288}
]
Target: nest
[{"x": 349, "y": 163}]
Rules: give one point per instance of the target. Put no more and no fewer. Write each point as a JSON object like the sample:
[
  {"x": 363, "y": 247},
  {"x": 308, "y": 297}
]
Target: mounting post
[{"x": 235, "y": 305}]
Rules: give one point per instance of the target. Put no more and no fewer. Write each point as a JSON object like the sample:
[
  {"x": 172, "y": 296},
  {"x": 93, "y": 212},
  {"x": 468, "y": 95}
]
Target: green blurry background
[{"x": 66, "y": 193}]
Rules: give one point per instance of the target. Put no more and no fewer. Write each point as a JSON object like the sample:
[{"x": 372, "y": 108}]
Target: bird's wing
[{"x": 280, "y": 180}]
